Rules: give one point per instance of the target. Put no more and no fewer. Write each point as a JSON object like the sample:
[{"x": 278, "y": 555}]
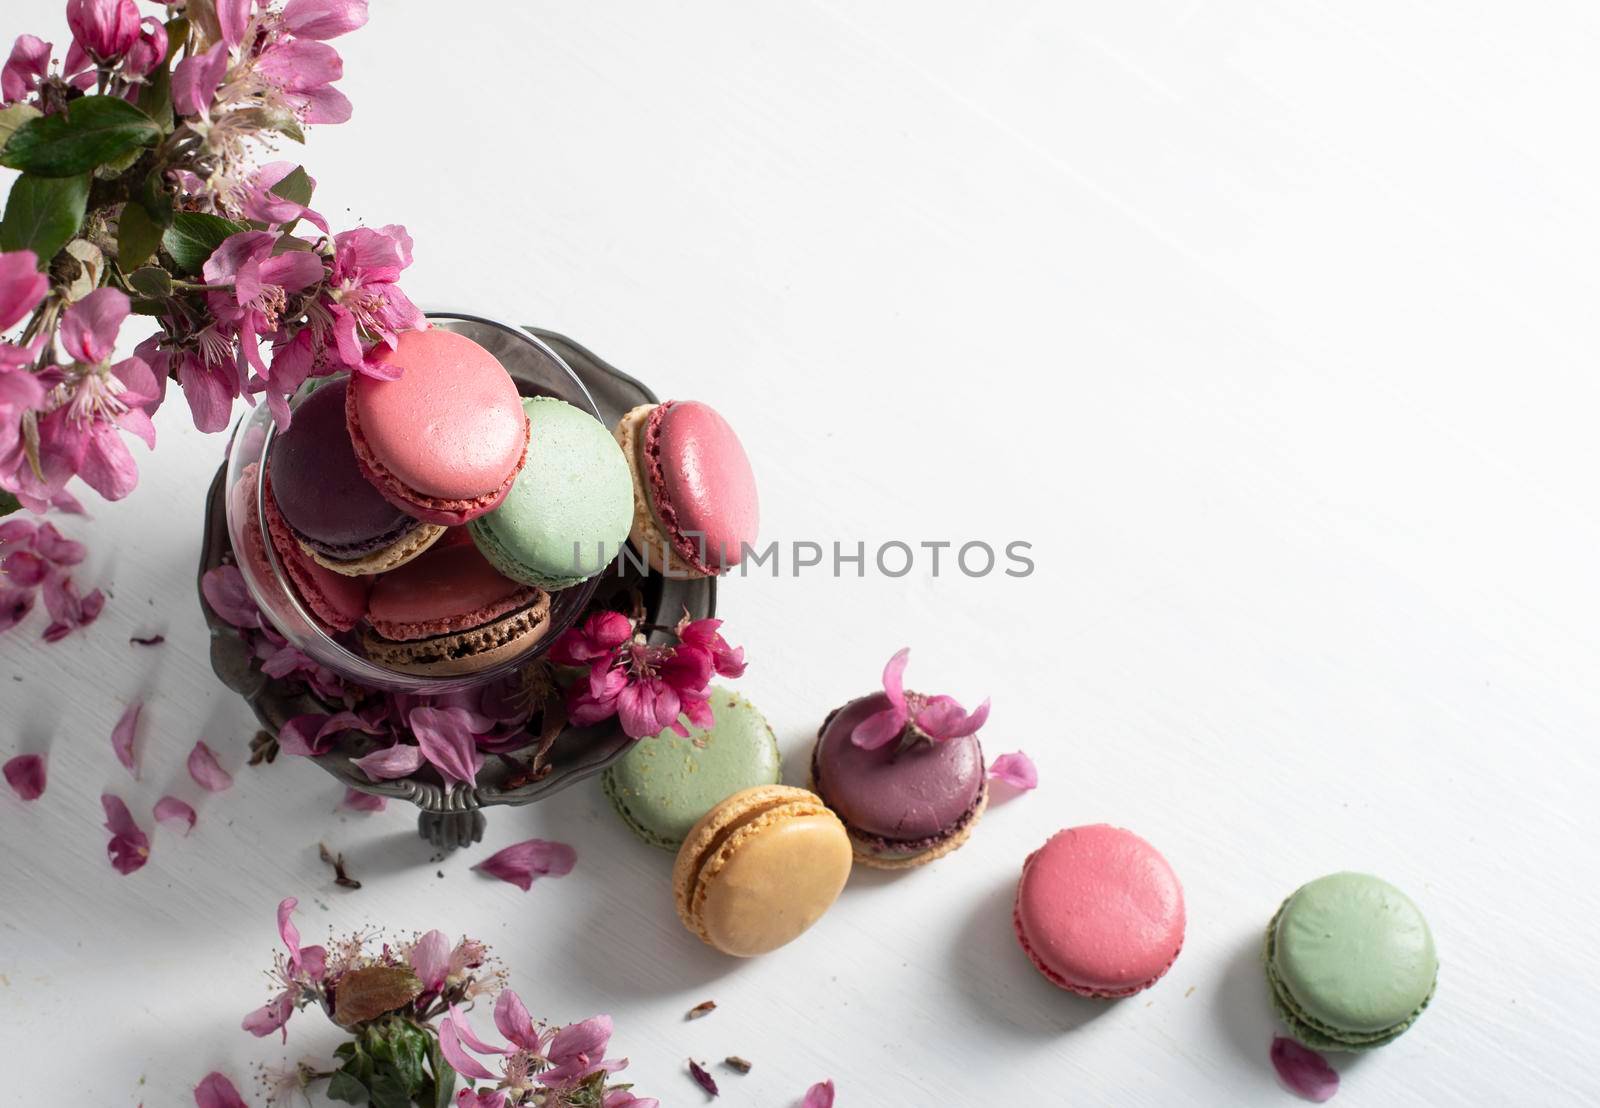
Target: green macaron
[
  {"x": 569, "y": 509},
  {"x": 1350, "y": 962},
  {"x": 664, "y": 785}
]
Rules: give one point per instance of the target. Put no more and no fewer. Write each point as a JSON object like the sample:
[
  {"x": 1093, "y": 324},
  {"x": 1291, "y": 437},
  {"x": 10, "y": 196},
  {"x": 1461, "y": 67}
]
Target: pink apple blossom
[
  {"x": 365, "y": 304},
  {"x": 936, "y": 718},
  {"x": 25, "y": 70},
  {"x": 148, "y": 51},
  {"x": 105, "y": 30},
  {"x": 22, "y": 286},
  {"x": 703, "y": 633},
  {"x": 595, "y": 638}
]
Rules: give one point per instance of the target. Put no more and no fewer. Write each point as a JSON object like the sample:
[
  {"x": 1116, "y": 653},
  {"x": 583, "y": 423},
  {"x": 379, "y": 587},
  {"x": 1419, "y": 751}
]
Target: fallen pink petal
[
  {"x": 216, "y": 1091},
  {"x": 522, "y": 863},
  {"x": 25, "y": 774},
  {"x": 122, "y": 736},
  {"x": 1303, "y": 1071},
  {"x": 1015, "y": 769},
  {"x": 358, "y": 801},
  {"x": 129, "y": 848},
  {"x": 207, "y": 771},
  {"x": 170, "y": 810},
  {"x": 819, "y": 1095}
]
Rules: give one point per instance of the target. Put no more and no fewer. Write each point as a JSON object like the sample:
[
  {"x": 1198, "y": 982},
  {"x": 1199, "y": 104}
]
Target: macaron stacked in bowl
[
  {"x": 426, "y": 517},
  {"x": 695, "y": 509}
]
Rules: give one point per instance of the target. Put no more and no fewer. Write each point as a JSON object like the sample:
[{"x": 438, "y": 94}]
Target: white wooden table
[{"x": 1270, "y": 325}]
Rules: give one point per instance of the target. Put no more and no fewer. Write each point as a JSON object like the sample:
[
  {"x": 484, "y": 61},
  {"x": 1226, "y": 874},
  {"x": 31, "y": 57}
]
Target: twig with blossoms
[
  {"x": 140, "y": 194},
  {"x": 647, "y": 687},
  {"x": 404, "y": 1006}
]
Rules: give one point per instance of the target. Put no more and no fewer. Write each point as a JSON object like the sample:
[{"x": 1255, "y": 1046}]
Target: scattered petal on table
[
  {"x": 129, "y": 848},
  {"x": 1303, "y": 1070},
  {"x": 122, "y": 737},
  {"x": 819, "y": 1095},
  {"x": 206, "y": 771},
  {"x": 25, "y": 774},
  {"x": 216, "y": 1091},
  {"x": 521, "y": 863},
  {"x": 1016, "y": 770},
  {"x": 171, "y": 810}
]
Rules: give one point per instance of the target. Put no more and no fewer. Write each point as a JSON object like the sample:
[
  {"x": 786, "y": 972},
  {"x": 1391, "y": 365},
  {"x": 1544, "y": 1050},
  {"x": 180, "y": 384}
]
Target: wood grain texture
[{"x": 1270, "y": 326}]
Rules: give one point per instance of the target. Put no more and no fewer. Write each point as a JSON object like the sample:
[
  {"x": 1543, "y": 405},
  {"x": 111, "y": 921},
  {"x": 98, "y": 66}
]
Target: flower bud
[
  {"x": 104, "y": 29},
  {"x": 148, "y": 49}
]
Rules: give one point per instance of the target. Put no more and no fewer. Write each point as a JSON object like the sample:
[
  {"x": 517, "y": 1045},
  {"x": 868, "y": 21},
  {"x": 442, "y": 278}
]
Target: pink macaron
[
  {"x": 449, "y": 612},
  {"x": 444, "y": 440},
  {"x": 695, "y": 503},
  {"x": 336, "y": 601},
  {"x": 1099, "y": 911}
]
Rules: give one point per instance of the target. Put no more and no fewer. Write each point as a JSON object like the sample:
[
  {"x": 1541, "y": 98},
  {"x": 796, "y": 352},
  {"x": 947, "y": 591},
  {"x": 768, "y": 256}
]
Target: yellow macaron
[{"x": 760, "y": 868}]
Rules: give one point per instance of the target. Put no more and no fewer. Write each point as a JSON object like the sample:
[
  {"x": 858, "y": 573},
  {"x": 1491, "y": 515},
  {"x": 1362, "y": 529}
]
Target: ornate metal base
[{"x": 452, "y": 815}]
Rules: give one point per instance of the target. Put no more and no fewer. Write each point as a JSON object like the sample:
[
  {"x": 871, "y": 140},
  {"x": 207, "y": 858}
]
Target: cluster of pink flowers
[
  {"x": 539, "y": 1064},
  {"x": 648, "y": 688},
  {"x": 270, "y": 308}
]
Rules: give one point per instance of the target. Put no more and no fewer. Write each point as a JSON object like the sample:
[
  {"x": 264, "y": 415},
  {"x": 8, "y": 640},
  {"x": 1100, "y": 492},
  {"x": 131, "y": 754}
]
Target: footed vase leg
[{"x": 451, "y": 830}]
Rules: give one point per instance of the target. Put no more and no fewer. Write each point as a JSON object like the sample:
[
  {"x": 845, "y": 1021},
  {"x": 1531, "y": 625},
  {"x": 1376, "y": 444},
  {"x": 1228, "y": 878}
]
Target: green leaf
[
  {"x": 155, "y": 98},
  {"x": 43, "y": 213},
  {"x": 194, "y": 235},
  {"x": 389, "y": 1090},
  {"x": 156, "y": 198},
  {"x": 296, "y": 187},
  {"x": 13, "y": 117},
  {"x": 137, "y": 238},
  {"x": 152, "y": 281},
  {"x": 118, "y": 165},
  {"x": 8, "y": 503},
  {"x": 91, "y": 131},
  {"x": 342, "y": 1086},
  {"x": 444, "y": 1076}
]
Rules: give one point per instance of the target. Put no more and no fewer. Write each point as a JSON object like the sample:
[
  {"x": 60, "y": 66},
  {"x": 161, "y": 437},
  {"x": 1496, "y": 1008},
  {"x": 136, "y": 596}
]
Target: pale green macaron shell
[
  {"x": 568, "y": 512},
  {"x": 664, "y": 785},
  {"x": 1350, "y": 961}
]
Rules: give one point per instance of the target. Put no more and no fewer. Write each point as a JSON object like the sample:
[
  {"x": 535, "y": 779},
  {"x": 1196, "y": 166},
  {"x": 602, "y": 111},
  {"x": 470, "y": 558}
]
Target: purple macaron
[
  {"x": 336, "y": 515},
  {"x": 903, "y": 804}
]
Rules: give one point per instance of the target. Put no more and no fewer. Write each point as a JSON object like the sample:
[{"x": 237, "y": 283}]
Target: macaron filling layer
[
  {"x": 897, "y": 803},
  {"x": 448, "y": 589}
]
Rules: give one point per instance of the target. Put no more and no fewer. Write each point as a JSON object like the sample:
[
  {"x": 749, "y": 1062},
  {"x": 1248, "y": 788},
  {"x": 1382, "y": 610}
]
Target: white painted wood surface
[{"x": 1269, "y": 325}]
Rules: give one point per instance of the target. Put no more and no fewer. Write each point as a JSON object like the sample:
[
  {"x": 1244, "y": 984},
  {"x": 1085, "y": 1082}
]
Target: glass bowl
[{"x": 538, "y": 371}]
